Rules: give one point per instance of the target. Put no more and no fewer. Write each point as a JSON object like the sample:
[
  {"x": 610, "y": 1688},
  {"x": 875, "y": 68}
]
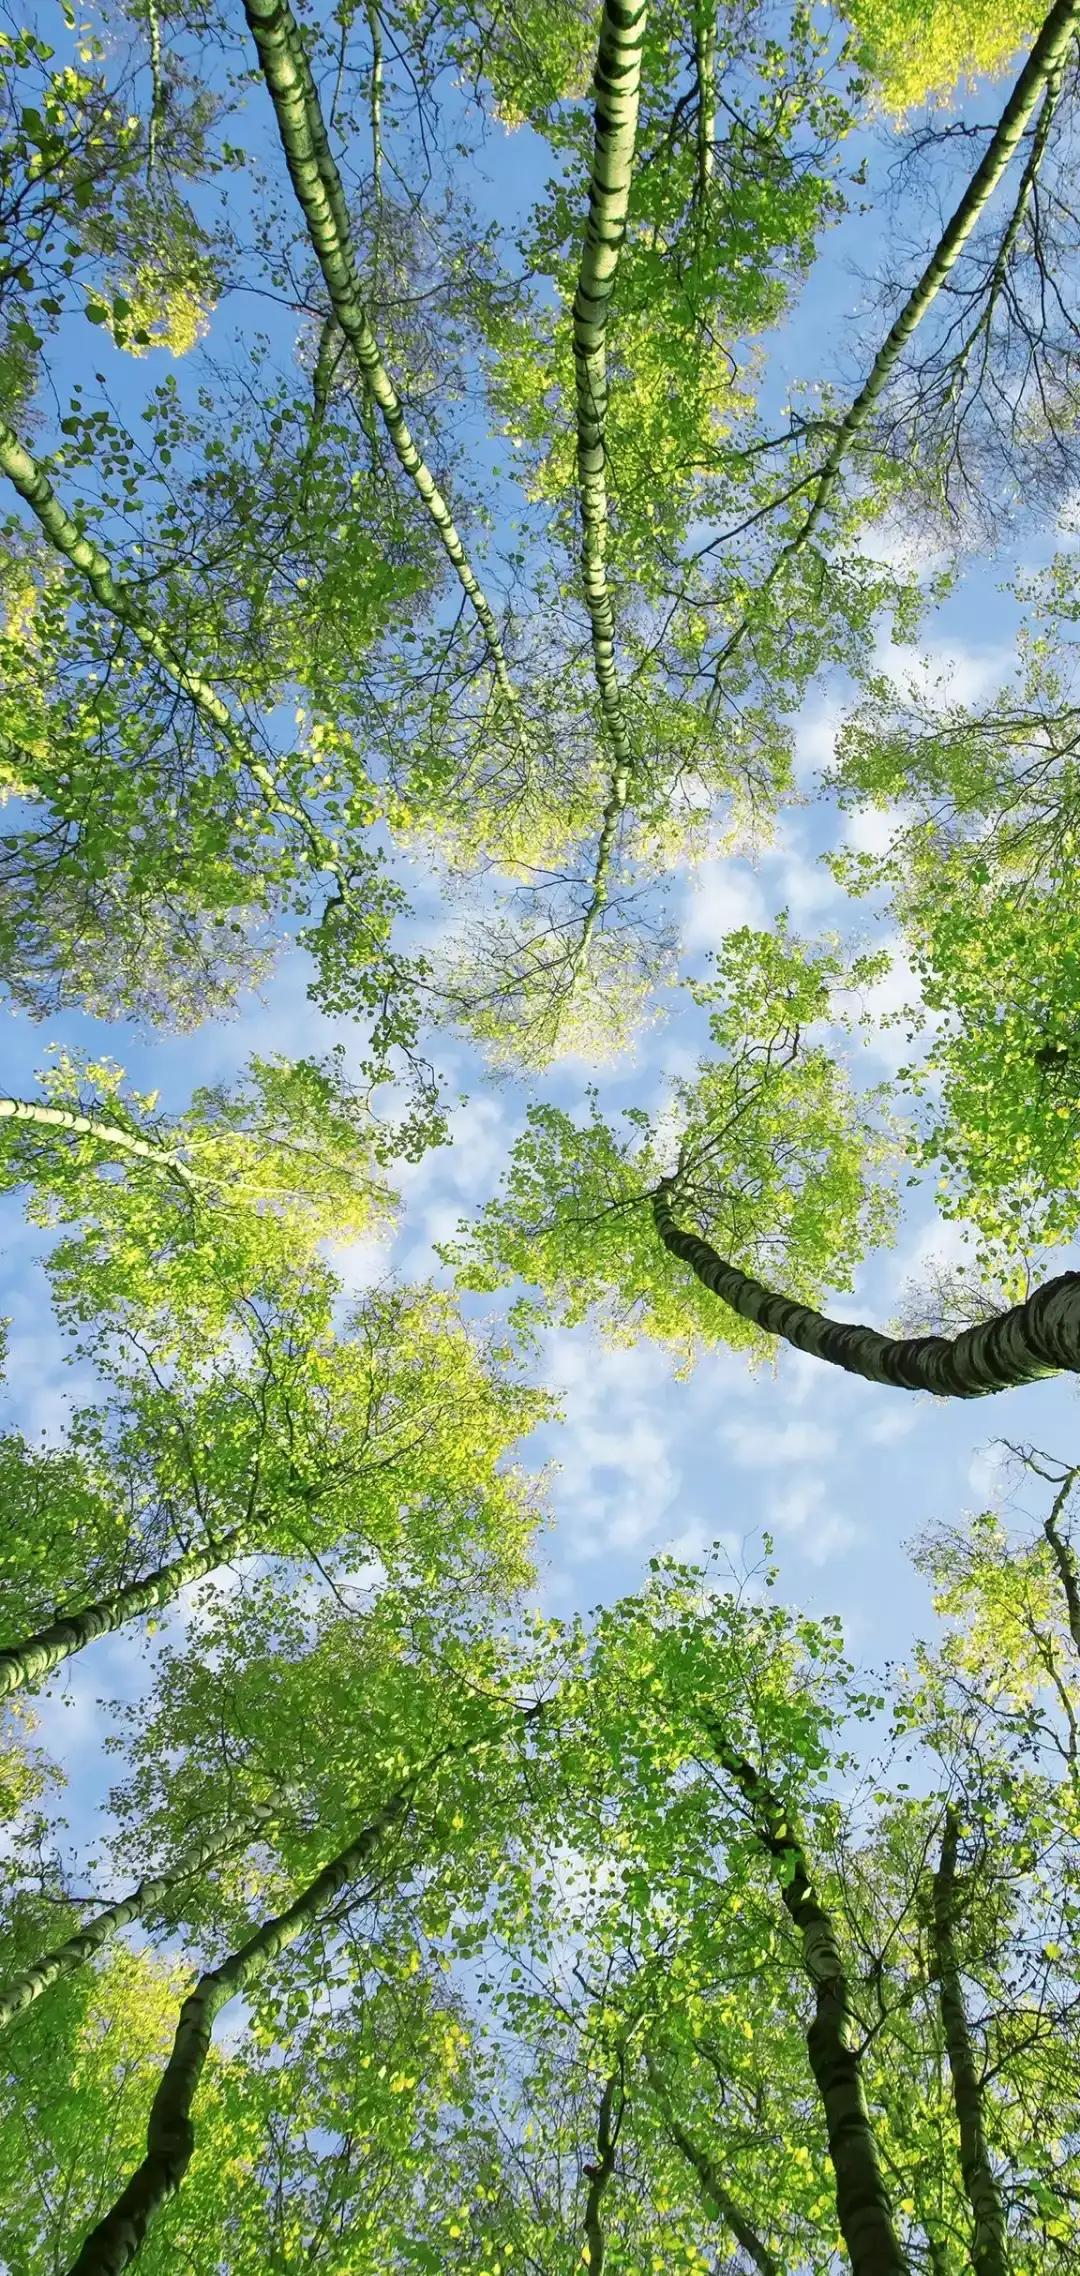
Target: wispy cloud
[{"x": 764, "y": 1445}]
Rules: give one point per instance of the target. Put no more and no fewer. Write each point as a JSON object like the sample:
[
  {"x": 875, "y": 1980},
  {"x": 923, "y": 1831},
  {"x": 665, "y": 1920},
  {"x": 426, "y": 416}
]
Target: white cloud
[
  {"x": 891, "y": 1038},
  {"x": 360, "y": 1264},
  {"x": 695, "y": 1546},
  {"x": 898, "y": 546},
  {"x": 944, "y": 672},
  {"x": 479, "y": 1130},
  {"x": 871, "y": 829},
  {"x": 815, "y": 739},
  {"x": 892, "y": 1423},
  {"x": 618, "y": 1473},
  {"x": 988, "y": 1472},
  {"x": 798, "y": 1513},
  {"x": 937, "y": 1243},
  {"x": 800, "y": 880},
  {"x": 767, "y": 1445},
  {"x": 723, "y": 895},
  {"x": 615, "y": 1484}
]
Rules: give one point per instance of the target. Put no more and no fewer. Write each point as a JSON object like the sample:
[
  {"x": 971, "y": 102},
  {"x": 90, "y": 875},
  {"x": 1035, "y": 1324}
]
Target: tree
[{"x": 662, "y": 1939}]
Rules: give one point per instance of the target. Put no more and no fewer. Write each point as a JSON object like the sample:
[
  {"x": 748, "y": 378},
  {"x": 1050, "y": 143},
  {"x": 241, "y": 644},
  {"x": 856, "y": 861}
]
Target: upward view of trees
[{"x": 435, "y": 478}]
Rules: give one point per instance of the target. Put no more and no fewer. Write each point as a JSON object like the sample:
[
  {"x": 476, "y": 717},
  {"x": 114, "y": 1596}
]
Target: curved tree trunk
[
  {"x": 22, "y": 1990},
  {"x": 111, "y": 1134},
  {"x": 989, "y": 2246},
  {"x": 128, "y": 607},
  {"x": 319, "y": 194},
  {"x": 170, "y": 2134},
  {"x": 36, "y": 1656},
  {"x": 862, "y": 2200},
  {"x": 1020, "y": 1346}
]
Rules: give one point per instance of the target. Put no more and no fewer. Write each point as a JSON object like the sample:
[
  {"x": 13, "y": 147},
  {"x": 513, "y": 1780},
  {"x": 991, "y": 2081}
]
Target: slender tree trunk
[
  {"x": 328, "y": 355},
  {"x": 36, "y": 1656},
  {"x": 1020, "y": 1346},
  {"x": 1064, "y": 1558},
  {"x": 862, "y": 2200},
  {"x": 713, "y": 2188},
  {"x": 1041, "y": 71},
  {"x": 317, "y": 184},
  {"x": 1007, "y": 247},
  {"x": 617, "y": 86},
  {"x": 110, "y": 1134},
  {"x": 607, "y": 2134},
  {"x": 375, "y": 102},
  {"x": 989, "y": 2246},
  {"x": 705, "y": 74},
  {"x": 22, "y": 1990},
  {"x": 170, "y": 2134},
  {"x": 128, "y": 607}
]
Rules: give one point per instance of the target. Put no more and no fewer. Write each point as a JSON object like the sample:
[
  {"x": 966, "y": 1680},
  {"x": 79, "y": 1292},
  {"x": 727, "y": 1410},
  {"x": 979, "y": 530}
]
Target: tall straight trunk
[
  {"x": 862, "y": 2200},
  {"x": 36, "y": 1656},
  {"x": 713, "y": 2187},
  {"x": 617, "y": 87},
  {"x": 1041, "y": 74},
  {"x": 607, "y": 2134},
  {"x": 1019, "y": 1346},
  {"x": 151, "y": 1894},
  {"x": 319, "y": 194},
  {"x": 989, "y": 2245},
  {"x": 109, "y": 1134},
  {"x": 375, "y": 103},
  {"x": 705, "y": 74},
  {"x": 170, "y": 2134},
  {"x": 128, "y": 607}
]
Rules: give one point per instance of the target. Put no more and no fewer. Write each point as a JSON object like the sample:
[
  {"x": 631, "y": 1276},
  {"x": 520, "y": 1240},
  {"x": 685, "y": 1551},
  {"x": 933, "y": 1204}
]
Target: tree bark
[
  {"x": 170, "y": 2134},
  {"x": 713, "y": 2188},
  {"x": 617, "y": 86},
  {"x": 989, "y": 2245},
  {"x": 319, "y": 194},
  {"x": 607, "y": 2134},
  {"x": 862, "y": 2200},
  {"x": 127, "y": 606},
  {"x": 35, "y": 1656},
  {"x": 109, "y": 1134},
  {"x": 22, "y": 1990},
  {"x": 1023, "y": 1345},
  {"x": 1041, "y": 71},
  {"x": 1064, "y": 1558}
]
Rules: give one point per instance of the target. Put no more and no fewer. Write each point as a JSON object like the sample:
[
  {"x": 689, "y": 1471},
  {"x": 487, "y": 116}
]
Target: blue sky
[{"x": 841, "y": 1474}]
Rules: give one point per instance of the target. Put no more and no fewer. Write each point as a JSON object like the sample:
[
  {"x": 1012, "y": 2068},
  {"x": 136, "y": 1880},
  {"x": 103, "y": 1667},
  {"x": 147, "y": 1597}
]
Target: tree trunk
[
  {"x": 1020, "y": 1346},
  {"x": 989, "y": 2247},
  {"x": 317, "y": 184},
  {"x": 617, "y": 87},
  {"x": 607, "y": 2134},
  {"x": 862, "y": 2200},
  {"x": 1065, "y": 1559},
  {"x": 108, "y": 1134},
  {"x": 170, "y": 2134},
  {"x": 1041, "y": 72},
  {"x": 129, "y": 609},
  {"x": 23, "y": 1990},
  {"x": 713, "y": 2189},
  {"x": 36, "y": 1656}
]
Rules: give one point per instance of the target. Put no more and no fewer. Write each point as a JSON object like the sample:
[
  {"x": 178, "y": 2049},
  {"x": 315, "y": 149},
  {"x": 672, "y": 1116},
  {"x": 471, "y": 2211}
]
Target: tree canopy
[{"x": 460, "y": 466}]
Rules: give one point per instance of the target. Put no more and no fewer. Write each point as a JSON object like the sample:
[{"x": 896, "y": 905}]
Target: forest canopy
[{"x": 539, "y": 879}]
